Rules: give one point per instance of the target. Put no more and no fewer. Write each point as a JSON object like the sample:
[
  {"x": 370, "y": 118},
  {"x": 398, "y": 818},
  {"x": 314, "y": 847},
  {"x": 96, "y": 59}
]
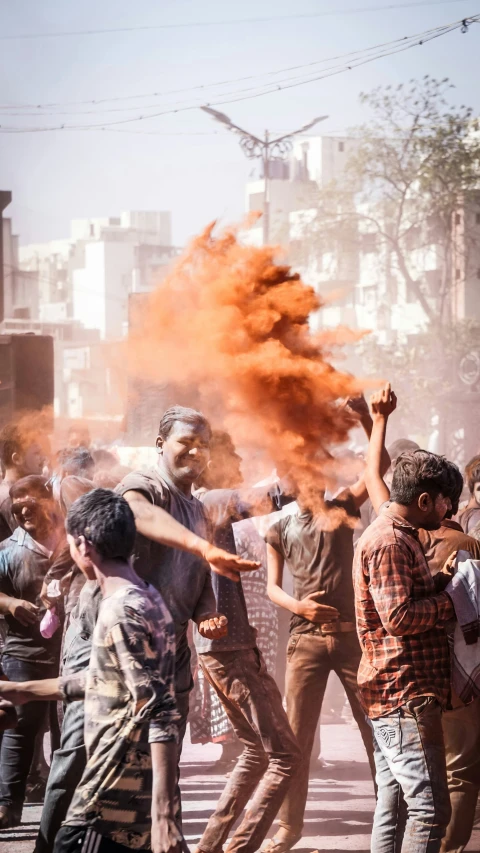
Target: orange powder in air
[{"x": 232, "y": 323}]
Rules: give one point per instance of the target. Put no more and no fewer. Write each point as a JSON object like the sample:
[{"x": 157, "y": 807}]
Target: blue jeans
[
  {"x": 410, "y": 762},
  {"x": 18, "y": 745}
]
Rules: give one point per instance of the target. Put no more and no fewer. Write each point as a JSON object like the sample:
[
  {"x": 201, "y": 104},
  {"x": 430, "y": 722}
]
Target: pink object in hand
[{"x": 49, "y": 624}]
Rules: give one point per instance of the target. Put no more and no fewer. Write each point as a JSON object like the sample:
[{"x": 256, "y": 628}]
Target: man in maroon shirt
[{"x": 404, "y": 675}]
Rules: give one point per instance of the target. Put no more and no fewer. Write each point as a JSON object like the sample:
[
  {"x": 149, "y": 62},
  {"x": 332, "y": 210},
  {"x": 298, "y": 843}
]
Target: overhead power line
[
  {"x": 267, "y": 88},
  {"x": 203, "y": 87},
  {"x": 226, "y": 22}
]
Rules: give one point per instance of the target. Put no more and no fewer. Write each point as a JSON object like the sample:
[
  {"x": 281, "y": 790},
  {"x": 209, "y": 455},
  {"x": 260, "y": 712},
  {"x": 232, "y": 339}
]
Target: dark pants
[
  {"x": 18, "y": 745},
  {"x": 253, "y": 705},
  {"x": 66, "y": 770},
  {"x": 84, "y": 839},
  {"x": 310, "y": 659}
]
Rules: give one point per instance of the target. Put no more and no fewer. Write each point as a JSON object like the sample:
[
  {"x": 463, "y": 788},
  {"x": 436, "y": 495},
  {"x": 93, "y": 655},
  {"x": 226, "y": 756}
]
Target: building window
[
  {"x": 477, "y": 218},
  {"x": 341, "y": 147},
  {"x": 458, "y": 219},
  {"x": 458, "y": 274}
]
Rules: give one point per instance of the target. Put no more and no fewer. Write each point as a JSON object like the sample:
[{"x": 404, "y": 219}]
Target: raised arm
[
  {"x": 359, "y": 489},
  {"x": 155, "y": 523},
  {"x": 383, "y": 403},
  {"x": 309, "y": 608}
]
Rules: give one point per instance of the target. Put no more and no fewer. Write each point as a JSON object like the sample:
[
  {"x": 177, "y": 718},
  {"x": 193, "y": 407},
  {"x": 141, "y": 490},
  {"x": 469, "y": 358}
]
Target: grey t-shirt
[
  {"x": 225, "y": 506},
  {"x": 183, "y": 579}
]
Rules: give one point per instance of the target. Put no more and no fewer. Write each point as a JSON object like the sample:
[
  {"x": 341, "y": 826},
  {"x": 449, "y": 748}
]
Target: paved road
[{"x": 339, "y": 809}]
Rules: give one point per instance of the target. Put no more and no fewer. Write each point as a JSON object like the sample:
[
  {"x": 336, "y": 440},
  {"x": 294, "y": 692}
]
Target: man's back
[{"x": 399, "y": 619}]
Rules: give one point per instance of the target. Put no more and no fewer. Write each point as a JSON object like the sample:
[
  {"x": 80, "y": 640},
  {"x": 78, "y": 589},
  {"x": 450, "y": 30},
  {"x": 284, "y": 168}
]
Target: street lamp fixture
[{"x": 265, "y": 149}]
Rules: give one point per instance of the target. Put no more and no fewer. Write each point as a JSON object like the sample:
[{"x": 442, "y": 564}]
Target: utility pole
[{"x": 265, "y": 149}]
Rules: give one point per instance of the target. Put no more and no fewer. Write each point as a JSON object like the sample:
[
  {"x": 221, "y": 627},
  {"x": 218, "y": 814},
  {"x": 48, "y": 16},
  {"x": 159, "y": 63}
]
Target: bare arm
[
  {"x": 165, "y": 833},
  {"x": 24, "y": 611},
  {"x": 309, "y": 608},
  {"x": 383, "y": 404},
  {"x": 156, "y": 524},
  {"x": 21, "y": 692},
  {"x": 359, "y": 490}
]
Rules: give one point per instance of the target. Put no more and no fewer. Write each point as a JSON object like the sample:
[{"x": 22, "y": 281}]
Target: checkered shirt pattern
[{"x": 400, "y": 619}]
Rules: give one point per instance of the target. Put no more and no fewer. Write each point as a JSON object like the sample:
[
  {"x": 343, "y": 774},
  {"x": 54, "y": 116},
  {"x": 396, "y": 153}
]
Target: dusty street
[{"x": 339, "y": 810}]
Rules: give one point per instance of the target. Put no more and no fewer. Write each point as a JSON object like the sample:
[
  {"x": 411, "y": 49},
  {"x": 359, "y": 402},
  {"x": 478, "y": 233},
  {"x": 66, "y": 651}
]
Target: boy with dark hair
[
  {"x": 125, "y": 799},
  {"x": 461, "y": 726},
  {"x": 404, "y": 675}
]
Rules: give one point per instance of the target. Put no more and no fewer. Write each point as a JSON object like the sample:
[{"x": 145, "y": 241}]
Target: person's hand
[
  {"x": 166, "y": 837},
  {"x": 383, "y": 402},
  {"x": 213, "y": 628},
  {"x": 313, "y": 610},
  {"x": 228, "y": 565},
  {"x": 23, "y": 611},
  {"x": 359, "y": 405},
  {"x": 8, "y": 715}
]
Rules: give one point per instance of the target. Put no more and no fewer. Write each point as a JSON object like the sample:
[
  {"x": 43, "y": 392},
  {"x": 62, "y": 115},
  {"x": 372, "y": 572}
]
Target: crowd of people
[{"x": 103, "y": 573}]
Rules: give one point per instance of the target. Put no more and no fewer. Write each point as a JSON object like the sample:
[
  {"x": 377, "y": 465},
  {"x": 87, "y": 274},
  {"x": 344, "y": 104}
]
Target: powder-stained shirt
[
  {"x": 400, "y": 619},
  {"x": 183, "y": 579},
  {"x": 24, "y": 563},
  {"x": 439, "y": 545},
  {"x": 224, "y": 507},
  {"x": 319, "y": 559},
  {"x": 129, "y": 704}
]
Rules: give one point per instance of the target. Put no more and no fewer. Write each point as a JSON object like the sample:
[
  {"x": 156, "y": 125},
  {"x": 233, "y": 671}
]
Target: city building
[{"x": 89, "y": 276}]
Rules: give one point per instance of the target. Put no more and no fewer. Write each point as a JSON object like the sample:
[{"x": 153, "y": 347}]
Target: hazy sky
[{"x": 185, "y": 163}]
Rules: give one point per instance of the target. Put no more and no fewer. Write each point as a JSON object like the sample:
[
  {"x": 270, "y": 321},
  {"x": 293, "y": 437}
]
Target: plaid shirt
[{"x": 400, "y": 619}]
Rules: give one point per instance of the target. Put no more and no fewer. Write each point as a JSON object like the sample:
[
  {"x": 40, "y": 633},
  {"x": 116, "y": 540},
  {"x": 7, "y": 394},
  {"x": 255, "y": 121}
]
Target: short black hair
[
  {"x": 75, "y": 461},
  {"x": 456, "y": 487},
  {"x": 34, "y": 484},
  {"x": 472, "y": 473},
  {"x": 12, "y": 440},
  {"x": 186, "y": 416},
  {"x": 420, "y": 471},
  {"x": 106, "y": 520}
]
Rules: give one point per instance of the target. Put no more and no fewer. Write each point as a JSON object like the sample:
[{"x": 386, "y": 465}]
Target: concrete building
[
  {"x": 21, "y": 287},
  {"x": 313, "y": 163},
  {"x": 89, "y": 276}
]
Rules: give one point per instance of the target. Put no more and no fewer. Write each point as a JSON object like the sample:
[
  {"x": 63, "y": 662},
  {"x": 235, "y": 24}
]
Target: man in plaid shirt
[{"x": 404, "y": 675}]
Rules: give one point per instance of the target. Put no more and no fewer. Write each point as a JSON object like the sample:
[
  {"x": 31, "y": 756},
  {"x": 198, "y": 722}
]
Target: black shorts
[{"x": 84, "y": 839}]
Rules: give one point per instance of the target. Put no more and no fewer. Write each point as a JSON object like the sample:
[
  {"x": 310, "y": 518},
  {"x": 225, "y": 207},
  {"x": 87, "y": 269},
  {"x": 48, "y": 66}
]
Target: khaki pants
[
  {"x": 264, "y": 770},
  {"x": 462, "y": 744},
  {"x": 310, "y": 659}
]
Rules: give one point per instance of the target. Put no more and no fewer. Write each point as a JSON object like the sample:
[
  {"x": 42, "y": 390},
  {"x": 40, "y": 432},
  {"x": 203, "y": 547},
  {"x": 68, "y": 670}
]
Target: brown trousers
[
  {"x": 253, "y": 705},
  {"x": 461, "y": 729},
  {"x": 310, "y": 659}
]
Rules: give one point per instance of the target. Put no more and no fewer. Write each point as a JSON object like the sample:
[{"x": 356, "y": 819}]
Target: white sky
[{"x": 60, "y": 175}]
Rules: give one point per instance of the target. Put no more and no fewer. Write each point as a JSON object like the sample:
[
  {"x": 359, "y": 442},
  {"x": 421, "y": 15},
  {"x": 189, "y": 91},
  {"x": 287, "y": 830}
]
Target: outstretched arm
[
  {"x": 383, "y": 403},
  {"x": 155, "y": 523}
]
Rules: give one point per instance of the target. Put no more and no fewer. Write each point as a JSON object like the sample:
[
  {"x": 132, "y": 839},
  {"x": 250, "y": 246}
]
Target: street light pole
[
  {"x": 265, "y": 149},
  {"x": 266, "y": 180}
]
